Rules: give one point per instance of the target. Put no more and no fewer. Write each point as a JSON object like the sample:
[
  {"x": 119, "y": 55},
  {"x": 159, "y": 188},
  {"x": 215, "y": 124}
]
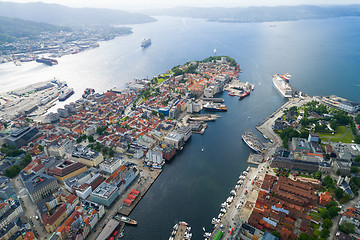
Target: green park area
[{"x": 341, "y": 134}]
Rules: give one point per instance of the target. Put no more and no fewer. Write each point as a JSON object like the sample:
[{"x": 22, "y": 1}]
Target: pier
[{"x": 143, "y": 186}]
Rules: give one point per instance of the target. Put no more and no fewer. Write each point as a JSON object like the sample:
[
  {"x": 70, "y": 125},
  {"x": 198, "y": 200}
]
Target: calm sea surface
[{"x": 323, "y": 57}]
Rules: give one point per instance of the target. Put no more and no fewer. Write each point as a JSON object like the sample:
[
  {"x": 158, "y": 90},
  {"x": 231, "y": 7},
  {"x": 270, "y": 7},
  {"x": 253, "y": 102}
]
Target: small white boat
[
  {"x": 215, "y": 51},
  {"x": 202, "y": 149}
]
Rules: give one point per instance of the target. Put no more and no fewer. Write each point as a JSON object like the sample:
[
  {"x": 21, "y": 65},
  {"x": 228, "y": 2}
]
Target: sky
[{"x": 148, "y": 4}]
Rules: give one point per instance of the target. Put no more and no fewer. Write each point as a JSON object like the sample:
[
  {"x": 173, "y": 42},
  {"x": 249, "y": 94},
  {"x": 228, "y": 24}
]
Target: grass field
[{"x": 337, "y": 136}]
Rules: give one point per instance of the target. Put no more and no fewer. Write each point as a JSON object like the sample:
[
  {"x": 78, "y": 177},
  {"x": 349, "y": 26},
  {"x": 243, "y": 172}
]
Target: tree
[
  {"x": 304, "y": 236},
  {"x": 317, "y": 175},
  {"x": 327, "y": 223},
  {"x": 334, "y": 211},
  {"x": 339, "y": 193},
  {"x": 111, "y": 152},
  {"x": 41, "y": 148},
  {"x": 331, "y": 204},
  {"x": 354, "y": 169},
  {"x": 325, "y": 233},
  {"x": 347, "y": 228},
  {"x": 333, "y": 124},
  {"x": 105, "y": 150},
  {"x": 276, "y": 234},
  {"x": 357, "y": 159},
  {"x": 357, "y": 139},
  {"x": 325, "y": 214},
  {"x": 91, "y": 138},
  {"x": 161, "y": 115}
]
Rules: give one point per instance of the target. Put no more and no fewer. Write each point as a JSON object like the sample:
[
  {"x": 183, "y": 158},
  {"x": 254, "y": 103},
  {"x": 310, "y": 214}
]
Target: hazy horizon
[{"x": 143, "y": 4}]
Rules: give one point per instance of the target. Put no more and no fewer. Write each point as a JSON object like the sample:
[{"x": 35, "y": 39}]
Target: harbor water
[{"x": 321, "y": 55}]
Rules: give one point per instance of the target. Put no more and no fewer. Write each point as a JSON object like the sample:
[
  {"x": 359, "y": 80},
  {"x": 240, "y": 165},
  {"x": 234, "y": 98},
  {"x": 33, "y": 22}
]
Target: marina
[{"x": 181, "y": 231}]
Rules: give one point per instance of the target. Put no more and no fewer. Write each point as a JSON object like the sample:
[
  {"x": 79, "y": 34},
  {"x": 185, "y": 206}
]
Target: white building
[
  {"x": 111, "y": 165},
  {"x": 175, "y": 139},
  {"x": 154, "y": 157}
]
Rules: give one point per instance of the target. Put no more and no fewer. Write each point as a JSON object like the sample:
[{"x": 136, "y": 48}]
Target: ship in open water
[
  {"x": 146, "y": 42},
  {"x": 282, "y": 85}
]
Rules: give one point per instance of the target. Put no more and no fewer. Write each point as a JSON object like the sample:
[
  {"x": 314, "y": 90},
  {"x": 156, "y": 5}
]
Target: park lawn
[
  {"x": 340, "y": 130},
  {"x": 320, "y": 209}
]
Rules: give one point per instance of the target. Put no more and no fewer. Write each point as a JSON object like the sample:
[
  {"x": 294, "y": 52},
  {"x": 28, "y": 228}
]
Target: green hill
[{"x": 12, "y": 29}]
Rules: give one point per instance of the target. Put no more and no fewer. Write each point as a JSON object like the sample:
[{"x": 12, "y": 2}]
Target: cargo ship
[
  {"x": 252, "y": 141},
  {"x": 65, "y": 94},
  {"x": 146, "y": 42},
  {"x": 47, "y": 61},
  {"x": 215, "y": 107},
  {"x": 282, "y": 86},
  {"x": 125, "y": 220},
  {"x": 244, "y": 95}
]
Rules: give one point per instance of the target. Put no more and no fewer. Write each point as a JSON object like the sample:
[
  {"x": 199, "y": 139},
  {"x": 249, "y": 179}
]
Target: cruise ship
[
  {"x": 282, "y": 86},
  {"x": 146, "y": 42}
]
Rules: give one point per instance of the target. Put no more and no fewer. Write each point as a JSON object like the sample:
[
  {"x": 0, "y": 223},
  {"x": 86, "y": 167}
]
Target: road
[{"x": 30, "y": 209}]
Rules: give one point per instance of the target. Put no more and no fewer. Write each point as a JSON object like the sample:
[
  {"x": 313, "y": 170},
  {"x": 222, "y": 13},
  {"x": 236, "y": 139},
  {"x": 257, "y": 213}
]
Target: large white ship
[{"x": 282, "y": 86}]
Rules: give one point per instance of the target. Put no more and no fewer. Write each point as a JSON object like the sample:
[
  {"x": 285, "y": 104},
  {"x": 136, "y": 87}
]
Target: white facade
[
  {"x": 83, "y": 194},
  {"x": 111, "y": 165}
]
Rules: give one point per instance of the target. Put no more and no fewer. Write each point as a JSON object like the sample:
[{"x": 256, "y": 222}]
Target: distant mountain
[
  {"x": 13, "y": 28},
  {"x": 259, "y": 14},
  {"x": 66, "y": 16}
]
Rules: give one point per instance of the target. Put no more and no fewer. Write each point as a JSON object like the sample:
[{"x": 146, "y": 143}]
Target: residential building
[
  {"x": 325, "y": 198},
  {"x": 53, "y": 210},
  {"x": 6, "y": 188},
  {"x": 40, "y": 185},
  {"x": 81, "y": 222},
  {"x": 10, "y": 210}
]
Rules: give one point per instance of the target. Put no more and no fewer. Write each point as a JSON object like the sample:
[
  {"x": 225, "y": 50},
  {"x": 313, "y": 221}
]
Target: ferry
[
  {"x": 125, "y": 220},
  {"x": 282, "y": 86},
  {"x": 215, "y": 107},
  {"x": 66, "y": 94},
  {"x": 146, "y": 42}
]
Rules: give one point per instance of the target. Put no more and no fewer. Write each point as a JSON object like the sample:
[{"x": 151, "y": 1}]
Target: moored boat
[{"x": 125, "y": 220}]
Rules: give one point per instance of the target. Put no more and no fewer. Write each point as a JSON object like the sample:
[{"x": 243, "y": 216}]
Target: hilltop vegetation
[
  {"x": 12, "y": 29},
  {"x": 66, "y": 16}
]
